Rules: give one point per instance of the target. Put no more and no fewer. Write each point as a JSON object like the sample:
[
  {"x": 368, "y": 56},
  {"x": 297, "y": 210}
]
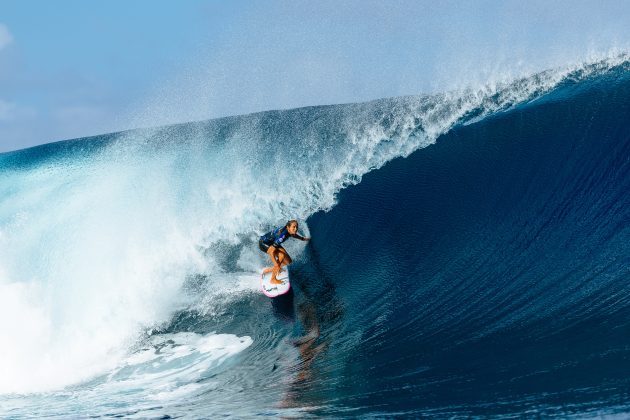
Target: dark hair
[{"x": 290, "y": 222}]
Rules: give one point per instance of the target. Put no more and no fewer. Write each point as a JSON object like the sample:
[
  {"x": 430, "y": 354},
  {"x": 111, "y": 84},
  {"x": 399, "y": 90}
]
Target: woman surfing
[{"x": 271, "y": 244}]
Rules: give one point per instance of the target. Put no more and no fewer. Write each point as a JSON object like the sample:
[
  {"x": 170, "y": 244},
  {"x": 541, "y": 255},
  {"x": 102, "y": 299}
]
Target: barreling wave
[
  {"x": 491, "y": 268},
  {"x": 430, "y": 282}
]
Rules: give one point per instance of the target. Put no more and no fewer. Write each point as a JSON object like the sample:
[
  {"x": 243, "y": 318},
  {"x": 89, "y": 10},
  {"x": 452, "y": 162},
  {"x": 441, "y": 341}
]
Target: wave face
[
  {"x": 484, "y": 274},
  {"x": 488, "y": 274}
]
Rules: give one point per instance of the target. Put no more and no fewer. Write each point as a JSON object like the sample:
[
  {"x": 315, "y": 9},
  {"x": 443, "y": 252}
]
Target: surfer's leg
[
  {"x": 277, "y": 268},
  {"x": 283, "y": 258},
  {"x": 276, "y": 259},
  {"x": 270, "y": 251}
]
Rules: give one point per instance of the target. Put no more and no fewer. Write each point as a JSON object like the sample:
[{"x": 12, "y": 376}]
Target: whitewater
[{"x": 129, "y": 261}]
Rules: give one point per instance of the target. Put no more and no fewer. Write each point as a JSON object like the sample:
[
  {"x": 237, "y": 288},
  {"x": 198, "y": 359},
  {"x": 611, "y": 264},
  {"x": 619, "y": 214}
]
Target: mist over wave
[{"x": 128, "y": 263}]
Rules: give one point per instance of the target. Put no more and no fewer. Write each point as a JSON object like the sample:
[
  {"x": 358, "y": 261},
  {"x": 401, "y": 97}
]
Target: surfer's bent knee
[
  {"x": 271, "y": 251},
  {"x": 263, "y": 247},
  {"x": 286, "y": 258}
]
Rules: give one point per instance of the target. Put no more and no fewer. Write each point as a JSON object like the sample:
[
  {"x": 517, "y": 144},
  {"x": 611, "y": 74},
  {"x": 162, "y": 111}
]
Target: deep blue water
[
  {"x": 489, "y": 273},
  {"x": 484, "y": 271}
]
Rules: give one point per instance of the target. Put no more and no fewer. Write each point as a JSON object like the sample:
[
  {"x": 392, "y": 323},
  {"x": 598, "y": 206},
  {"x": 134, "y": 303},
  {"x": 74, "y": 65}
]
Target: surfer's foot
[{"x": 275, "y": 281}]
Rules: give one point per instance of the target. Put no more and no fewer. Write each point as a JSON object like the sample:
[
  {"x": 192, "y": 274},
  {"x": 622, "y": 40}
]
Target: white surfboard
[{"x": 273, "y": 290}]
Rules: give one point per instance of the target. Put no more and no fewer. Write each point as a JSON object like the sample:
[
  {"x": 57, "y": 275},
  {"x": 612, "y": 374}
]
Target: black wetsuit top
[{"x": 276, "y": 237}]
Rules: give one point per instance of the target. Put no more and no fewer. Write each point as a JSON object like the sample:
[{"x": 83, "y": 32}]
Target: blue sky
[{"x": 70, "y": 69}]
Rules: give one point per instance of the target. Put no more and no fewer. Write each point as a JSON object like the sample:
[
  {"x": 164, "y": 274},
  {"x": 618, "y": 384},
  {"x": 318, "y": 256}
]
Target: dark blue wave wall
[{"x": 488, "y": 273}]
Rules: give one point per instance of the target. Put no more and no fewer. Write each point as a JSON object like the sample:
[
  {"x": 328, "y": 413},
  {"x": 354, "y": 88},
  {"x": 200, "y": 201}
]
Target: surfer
[{"x": 271, "y": 244}]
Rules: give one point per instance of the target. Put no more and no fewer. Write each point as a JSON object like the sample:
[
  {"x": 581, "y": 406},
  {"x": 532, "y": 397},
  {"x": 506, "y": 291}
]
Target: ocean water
[{"x": 470, "y": 257}]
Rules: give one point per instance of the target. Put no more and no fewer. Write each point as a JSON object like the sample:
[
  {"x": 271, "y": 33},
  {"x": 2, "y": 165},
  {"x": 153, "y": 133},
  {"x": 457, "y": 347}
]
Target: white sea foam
[{"x": 169, "y": 365}]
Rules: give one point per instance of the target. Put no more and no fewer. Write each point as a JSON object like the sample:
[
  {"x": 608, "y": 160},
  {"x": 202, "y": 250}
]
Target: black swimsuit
[{"x": 274, "y": 238}]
